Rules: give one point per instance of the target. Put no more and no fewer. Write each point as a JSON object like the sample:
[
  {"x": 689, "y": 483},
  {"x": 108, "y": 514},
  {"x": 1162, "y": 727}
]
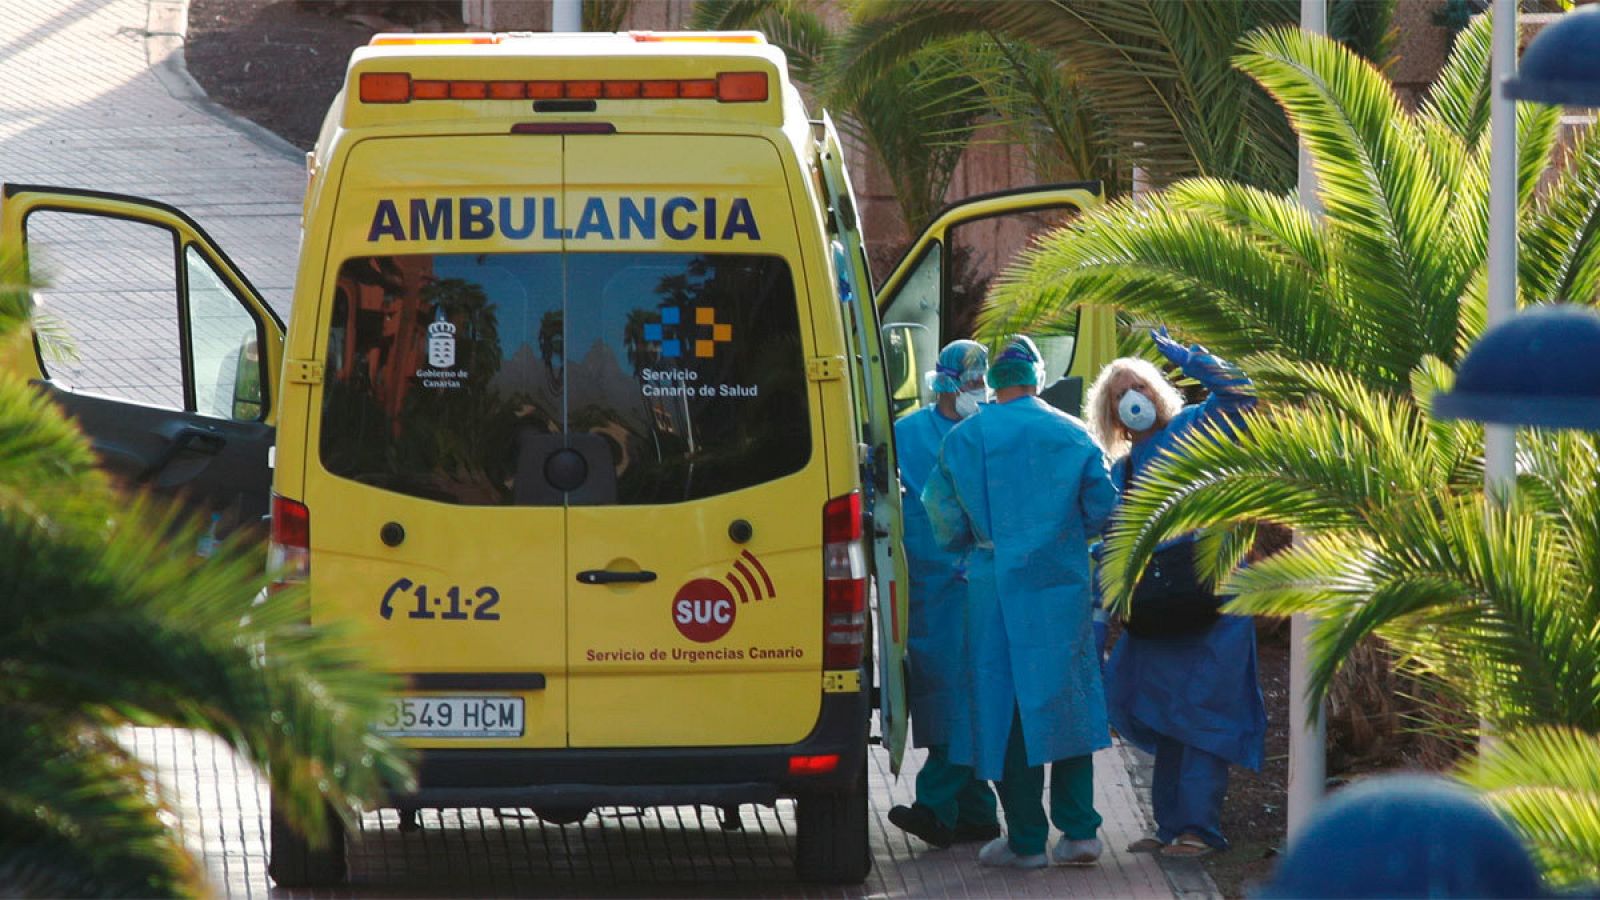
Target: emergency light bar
[
  {"x": 727, "y": 87},
  {"x": 642, "y": 37}
]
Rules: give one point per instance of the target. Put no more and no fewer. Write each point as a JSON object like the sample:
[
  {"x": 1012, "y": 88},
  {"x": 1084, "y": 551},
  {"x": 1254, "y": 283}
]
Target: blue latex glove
[{"x": 1175, "y": 352}]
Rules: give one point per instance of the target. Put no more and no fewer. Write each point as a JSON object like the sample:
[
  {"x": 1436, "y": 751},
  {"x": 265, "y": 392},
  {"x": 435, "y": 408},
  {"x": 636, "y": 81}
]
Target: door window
[
  {"x": 439, "y": 369},
  {"x": 107, "y": 306},
  {"x": 455, "y": 376},
  {"x": 229, "y": 370},
  {"x": 911, "y": 332},
  {"x": 689, "y": 367}
]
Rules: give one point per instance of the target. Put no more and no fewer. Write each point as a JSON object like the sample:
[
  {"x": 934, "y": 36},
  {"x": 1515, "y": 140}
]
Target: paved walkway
[{"x": 94, "y": 99}]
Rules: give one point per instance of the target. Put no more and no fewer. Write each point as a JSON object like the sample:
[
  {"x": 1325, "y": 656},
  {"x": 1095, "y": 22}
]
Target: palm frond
[
  {"x": 178, "y": 640},
  {"x": 1382, "y": 197},
  {"x": 1167, "y": 265},
  {"x": 1560, "y": 257},
  {"x": 1158, "y": 72},
  {"x": 1459, "y": 97},
  {"x": 76, "y": 815},
  {"x": 1546, "y": 781},
  {"x": 1313, "y": 469}
]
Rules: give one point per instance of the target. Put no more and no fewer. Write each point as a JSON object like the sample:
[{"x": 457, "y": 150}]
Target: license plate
[{"x": 461, "y": 717}]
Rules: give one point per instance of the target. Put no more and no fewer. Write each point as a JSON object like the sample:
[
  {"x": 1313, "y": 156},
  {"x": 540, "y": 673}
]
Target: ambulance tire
[
  {"x": 832, "y": 845},
  {"x": 293, "y": 862}
]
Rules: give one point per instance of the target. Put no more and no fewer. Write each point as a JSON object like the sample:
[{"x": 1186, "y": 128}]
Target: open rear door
[
  {"x": 880, "y": 476},
  {"x": 156, "y": 344},
  {"x": 933, "y": 294}
]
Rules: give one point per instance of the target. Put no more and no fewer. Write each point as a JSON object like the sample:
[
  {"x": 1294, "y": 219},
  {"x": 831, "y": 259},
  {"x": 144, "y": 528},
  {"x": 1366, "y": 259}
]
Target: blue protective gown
[
  {"x": 1023, "y": 486},
  {"x": 937, "y": 586},
  {"x": 1200, "y": 690}
]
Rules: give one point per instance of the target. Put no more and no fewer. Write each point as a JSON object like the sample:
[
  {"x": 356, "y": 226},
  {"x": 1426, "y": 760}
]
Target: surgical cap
[
  {"x": 959, "y": 363},
  {"x": 1019, "y": 363}
]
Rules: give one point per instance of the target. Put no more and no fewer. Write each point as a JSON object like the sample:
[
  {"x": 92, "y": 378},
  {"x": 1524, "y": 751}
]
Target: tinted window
[
  {"x": 689, "y": 367},
  {"x": 456, "y": 376}
]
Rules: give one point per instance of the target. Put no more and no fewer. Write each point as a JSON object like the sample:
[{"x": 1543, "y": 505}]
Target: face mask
[
  {"x": 967, "y": 402},
  {"x": 1136, "y": 411}
]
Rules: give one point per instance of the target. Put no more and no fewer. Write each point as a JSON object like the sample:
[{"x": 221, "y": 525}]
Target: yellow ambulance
[{"x": 582, "y": 416}]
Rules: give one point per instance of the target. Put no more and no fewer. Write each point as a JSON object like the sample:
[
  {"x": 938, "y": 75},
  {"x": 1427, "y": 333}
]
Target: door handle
[
  {"x": 606, "y": 576},
  {"x": 202, "y": 440}
]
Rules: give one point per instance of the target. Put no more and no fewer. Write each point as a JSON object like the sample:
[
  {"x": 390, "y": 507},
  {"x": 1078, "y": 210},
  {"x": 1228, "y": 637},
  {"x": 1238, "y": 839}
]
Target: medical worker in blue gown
[
  {"x": 1021, "y": 486},
  {"x": 953, "y": 806},
  {"x": 1193, "y": 701}
]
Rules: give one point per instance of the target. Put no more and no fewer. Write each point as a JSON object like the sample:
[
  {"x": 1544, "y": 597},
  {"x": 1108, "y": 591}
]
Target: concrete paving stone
[{"x": 86, "y": 107}]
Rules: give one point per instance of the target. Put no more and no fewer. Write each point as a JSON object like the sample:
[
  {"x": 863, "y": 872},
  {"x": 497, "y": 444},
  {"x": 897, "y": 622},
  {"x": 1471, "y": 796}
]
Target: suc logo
[{"x": 703, "y": 610}]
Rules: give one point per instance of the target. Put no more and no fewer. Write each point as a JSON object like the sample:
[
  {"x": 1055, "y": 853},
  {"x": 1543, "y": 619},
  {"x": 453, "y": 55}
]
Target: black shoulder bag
[{"x": 1170, "y": 600}]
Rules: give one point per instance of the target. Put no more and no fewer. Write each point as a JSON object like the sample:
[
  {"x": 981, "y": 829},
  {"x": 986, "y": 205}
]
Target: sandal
[
  {"x": 1187, "y": 846},
  {"x": 1146, "y": 845}
]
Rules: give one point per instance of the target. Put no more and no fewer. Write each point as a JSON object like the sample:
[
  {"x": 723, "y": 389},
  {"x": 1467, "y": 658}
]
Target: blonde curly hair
[{"x": 1100, "y": 408}]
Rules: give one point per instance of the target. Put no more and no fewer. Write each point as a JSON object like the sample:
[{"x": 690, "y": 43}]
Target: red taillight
[
  {"x": 583, "y": 90},
  {"x": 741, "y": 87},
  {"x": 844, "y": 584},
  {"x": 813, "y": 765},
  {"x": 289, "y": 553},
  {"x": 468, "y": 90}
]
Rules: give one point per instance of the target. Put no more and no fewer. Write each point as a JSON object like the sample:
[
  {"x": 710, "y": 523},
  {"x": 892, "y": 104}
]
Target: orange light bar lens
[
  {"x": 507, "y": 90},
  {"x": 468, "y": 90},
  {"x": 385, "y": 87},
  {"x": 401, "y": 40},
  {"x": 430, "y": 90},
  {"x": 544, "y": 90},
  {"x": 621, "y": 90},
  {"x": 583, "y": 90},
  {"x": 701, "y": 89},
  {"x": 658, "y": 90},
  {"x": 742, "y": 87},
  {"x": 698, "y": 37}
]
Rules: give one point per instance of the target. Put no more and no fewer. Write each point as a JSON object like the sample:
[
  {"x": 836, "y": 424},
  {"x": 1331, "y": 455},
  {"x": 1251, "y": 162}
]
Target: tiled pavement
[
  {"x": 679, "y": 851},
  {"x": 93, "y": 100}
]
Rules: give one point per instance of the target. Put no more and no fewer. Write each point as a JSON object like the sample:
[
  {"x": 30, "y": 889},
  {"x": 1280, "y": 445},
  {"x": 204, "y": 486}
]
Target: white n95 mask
[
  {"x": 1137, "y": 411},
  {"x": 967, "y": 402}
]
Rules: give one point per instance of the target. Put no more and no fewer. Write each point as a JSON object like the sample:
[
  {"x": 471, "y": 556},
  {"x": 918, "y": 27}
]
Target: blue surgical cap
[
  {"x": 959, "y": 363},
  {"x": 1019, "y": 363}
]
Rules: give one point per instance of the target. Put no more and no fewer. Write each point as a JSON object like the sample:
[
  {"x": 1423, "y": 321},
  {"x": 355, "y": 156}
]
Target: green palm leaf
[
  {"x": 77, "y": 818},
  {"x": 1547, "y": 782}
]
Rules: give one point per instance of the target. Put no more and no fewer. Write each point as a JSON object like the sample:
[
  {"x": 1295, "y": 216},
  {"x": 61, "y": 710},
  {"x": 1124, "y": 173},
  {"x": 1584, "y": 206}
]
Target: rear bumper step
[{"x": 590, "y": 795}]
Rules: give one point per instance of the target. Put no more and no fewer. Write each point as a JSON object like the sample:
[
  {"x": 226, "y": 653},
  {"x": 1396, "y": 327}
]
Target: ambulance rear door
[
  {"x": 694, "y": 561},
  {"x": 155, "y": 343},
  {"x": 880, "y": 473},
  {"x": 434, "y": 523},
  {"x": 933, "y": 295}
]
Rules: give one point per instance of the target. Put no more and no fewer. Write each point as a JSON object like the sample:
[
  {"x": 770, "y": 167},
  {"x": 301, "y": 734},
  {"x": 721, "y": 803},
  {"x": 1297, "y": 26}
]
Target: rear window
[{"x": 455, "y": 377}]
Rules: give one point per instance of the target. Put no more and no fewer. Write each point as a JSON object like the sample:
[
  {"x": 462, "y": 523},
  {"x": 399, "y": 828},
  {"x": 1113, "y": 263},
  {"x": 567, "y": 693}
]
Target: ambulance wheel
[
  {"x": 832, "y": 845},
  {"x": 293, "y": 862}
]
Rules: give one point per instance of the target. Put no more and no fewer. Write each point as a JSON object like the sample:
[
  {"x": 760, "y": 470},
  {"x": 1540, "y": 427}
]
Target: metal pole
[
  {"x": 566, "y": 15},
  {"x": 1500, "y": 440},
  {"x": 1307, "y": 728}
]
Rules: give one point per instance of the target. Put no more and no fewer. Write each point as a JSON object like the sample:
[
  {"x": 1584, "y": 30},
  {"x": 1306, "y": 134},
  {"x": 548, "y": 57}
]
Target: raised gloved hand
[{"x": 1176, "y": 353}]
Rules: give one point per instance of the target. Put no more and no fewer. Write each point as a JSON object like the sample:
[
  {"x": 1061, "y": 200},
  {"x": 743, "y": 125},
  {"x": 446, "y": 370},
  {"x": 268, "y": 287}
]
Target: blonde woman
[{"x": 1191, "y": 700}]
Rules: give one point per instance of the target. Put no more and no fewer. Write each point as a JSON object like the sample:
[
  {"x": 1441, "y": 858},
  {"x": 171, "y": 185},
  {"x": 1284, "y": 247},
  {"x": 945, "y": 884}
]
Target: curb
[
  {"x": 166, "y": 27},
  {"x": 1188, "y": 879}
]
